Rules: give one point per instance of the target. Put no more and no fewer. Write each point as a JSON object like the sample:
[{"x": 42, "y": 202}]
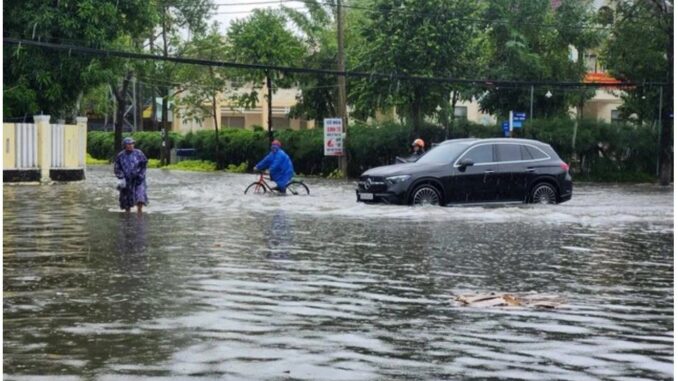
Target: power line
[
  {"x": 301, "y": 70},
  {"x": 464, "y": 18}
]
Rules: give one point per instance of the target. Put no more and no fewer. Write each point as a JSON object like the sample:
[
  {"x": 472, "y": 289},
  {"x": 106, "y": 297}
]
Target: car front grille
[{"x": 371, "y": 184}]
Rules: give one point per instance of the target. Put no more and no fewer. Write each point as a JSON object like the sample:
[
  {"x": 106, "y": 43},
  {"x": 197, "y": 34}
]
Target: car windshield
[{"x": 444, "y": 153}]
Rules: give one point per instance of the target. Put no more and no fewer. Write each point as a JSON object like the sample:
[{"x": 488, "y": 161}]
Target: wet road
[{"x": 213, "y": 284}]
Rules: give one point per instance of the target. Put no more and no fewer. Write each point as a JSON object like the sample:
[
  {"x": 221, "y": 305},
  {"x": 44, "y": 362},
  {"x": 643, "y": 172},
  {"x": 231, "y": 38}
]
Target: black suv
[{"x": 468, "y": 171}]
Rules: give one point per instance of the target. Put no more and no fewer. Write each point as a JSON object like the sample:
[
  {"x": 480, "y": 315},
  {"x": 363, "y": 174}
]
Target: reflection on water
[{"x": 214, "y": 284}]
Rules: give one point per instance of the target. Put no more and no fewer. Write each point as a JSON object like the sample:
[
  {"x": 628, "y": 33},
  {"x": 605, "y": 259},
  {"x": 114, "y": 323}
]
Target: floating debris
[{"x": 494, "y": 299}]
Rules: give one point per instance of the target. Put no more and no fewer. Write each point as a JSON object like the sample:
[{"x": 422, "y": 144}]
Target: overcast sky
[{"x": 230, "y": 10}]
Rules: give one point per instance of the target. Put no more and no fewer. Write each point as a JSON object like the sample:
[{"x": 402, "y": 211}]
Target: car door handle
[
  {"x": 530, "y": 170},
  {"x": 489, "y": 171}
]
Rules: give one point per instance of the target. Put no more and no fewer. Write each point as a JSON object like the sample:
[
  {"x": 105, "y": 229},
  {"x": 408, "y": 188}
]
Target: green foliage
[
  {"x": 194, "y": 165},
  {"x": 611, "y": 152},
  {"x": 241, "y": 168},
  {"x": 153, "y": 163},
  {"x": 318, "y": 98},
  {"x": 89, "y": 160},
  {"x": 425, "y": 38},
  {"x": 602, "y": 150},
  {"x": 336, "y": 174},
  {"x": 51, "y": 81},
  {"x": 520, "y": 48},
  {"x": 263, "y": 38},
  {"x": 100, "y": 143},
  {"x": 640, "y": 48}
]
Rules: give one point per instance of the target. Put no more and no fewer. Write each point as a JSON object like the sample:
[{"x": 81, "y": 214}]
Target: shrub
[
  {"x": 242, "y": 168},
  {"x": 194, "y": 165},
  {"x": 605, "y": 151},
  {"x": 153, "y": 163},
  {"x": 89, "y": 160}
]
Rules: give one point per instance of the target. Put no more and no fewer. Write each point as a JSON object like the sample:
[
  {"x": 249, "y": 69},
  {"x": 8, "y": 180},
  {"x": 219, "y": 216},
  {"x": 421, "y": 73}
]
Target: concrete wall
[
  {"x": 50, "y": 148},
  {"x": 8, "y": 146}
]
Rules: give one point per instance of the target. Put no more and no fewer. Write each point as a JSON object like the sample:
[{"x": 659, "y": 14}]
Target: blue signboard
[
  {"x": 519, "y": 116},
  {"x": 505, "y": 127},
  {"x": 517, "y": 123}
]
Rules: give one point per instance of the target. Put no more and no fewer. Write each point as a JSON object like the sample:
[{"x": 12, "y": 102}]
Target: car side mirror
[{"x": 465, "y": 163}]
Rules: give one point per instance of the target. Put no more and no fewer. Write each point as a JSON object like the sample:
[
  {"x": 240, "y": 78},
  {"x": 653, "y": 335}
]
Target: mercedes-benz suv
[{"x": 470, "y": 171}]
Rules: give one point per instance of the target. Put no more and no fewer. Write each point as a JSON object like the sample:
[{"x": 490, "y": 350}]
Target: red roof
[{"x": 601, "y": 78}]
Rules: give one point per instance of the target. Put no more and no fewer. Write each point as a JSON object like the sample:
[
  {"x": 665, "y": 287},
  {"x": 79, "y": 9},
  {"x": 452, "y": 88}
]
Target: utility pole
[
  {"x": 659, "y": 129},
  {"x": 531, "y": 101},
  {"x": 270, "y": 108},
  {"x": 341, "y": 101},
  {"x": 165, "y": 96}
]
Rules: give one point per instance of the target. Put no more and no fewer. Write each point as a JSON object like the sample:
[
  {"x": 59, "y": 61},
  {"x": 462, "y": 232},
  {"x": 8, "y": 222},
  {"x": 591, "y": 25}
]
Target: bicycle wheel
[
  {"x": 298, "y": 188},
  {"x": 256, "y": 188}
]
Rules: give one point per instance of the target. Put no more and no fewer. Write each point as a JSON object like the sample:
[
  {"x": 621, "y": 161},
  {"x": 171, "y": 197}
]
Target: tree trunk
[
  {"x": 154, "y": 106},
  {"x": 120, "y": 98},
  {"x": 665, "y": 160},
  {"x": 416, "y": 113},
  {"x": 666, "y": 148},
  {"x": 270, "y": 108},
  {"x": 165, "y": 97},
  {"x": 140, "y": 107},
  {"x": 452, "y": 119},
  {"x": 218, "y": 157}
]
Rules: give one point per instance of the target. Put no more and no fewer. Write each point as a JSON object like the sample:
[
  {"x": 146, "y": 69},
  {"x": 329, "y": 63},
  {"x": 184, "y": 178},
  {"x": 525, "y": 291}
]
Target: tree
[
  {"x": 204, "y": 85},
  {"x": 640, "y": 49},
  {"x": 262, "y": 38},
  {"x": 530, "y": 40},
  {"x": 423, "y": 38},
  {"x": 175, "y": 16},
  {"x": 42, "y": 80},
  {"x": 318, "y": 99}
]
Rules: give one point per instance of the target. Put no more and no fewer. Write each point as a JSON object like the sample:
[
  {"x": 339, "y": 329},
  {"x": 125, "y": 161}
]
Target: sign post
[
  {"x": 506, "y": 128},
  {"x": 516, "y": 120},
  {"x": 334, "y": 137}
]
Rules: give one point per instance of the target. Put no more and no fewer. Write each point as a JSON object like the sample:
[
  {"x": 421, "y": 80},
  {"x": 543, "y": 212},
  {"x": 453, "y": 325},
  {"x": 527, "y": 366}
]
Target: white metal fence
[{"x": 26, "y": 145}]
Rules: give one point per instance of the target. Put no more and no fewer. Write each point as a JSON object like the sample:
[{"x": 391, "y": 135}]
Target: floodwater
[{"x": 214, "y": 284}]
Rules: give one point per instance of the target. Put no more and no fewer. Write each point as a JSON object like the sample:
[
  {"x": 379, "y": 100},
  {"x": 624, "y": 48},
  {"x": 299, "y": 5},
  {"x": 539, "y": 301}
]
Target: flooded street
[{"x": 214, "y": 284}]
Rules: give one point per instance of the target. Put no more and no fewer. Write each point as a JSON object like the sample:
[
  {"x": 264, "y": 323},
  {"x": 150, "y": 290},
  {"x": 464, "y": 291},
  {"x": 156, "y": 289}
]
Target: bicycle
[{"x": 260, "y": 186}]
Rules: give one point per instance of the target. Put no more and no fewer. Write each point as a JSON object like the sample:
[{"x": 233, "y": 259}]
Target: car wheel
[
  {"x": 544, "y": 193},
  {"x": 426, "y": 195}
]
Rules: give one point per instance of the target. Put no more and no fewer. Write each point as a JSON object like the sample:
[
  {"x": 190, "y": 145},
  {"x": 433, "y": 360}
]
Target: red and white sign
[{"x": 334, "y": 137}]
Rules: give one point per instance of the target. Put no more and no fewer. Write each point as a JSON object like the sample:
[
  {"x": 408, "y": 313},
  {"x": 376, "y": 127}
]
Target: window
[
  {"x": 461, "y": 112},
  {"x": 480, "y": 154},
  {"x": 525, "y": 153},
  {"x": 508, "y": 152},
  {"x": 444, "y": 153},
  {"x": 280, "y": 123},
  {"x": 615, "y": 116},
  {"x": 233, "y": 122},
  {"x": 605, "y": 16},
  {"x": 536, "y": 153}
]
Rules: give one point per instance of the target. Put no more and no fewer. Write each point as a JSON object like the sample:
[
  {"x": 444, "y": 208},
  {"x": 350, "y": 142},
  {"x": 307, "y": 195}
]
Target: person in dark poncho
[
  {"x": 279, "y": 166},
  {"x": 130, "y": 169}
]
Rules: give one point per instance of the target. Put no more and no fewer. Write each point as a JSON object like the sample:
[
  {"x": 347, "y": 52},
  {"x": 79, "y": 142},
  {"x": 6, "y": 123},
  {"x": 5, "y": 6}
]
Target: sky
[{"x": 229, "y": 10}]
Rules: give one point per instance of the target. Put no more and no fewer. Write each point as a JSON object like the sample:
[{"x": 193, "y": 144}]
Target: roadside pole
[
  {"x": 510, "y": 124},
  {"x": 659, "y": 128},
  {"x": 341, "y": 78}
]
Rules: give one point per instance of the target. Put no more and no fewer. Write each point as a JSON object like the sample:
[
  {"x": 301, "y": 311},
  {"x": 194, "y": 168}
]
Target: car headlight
[{"x": 397, "y": 179}]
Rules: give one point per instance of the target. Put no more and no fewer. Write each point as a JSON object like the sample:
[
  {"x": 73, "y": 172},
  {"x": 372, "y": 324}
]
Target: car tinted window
[
  {"x": 508, "y": 152},
  {"x": 444, "y": 153},
  {"x": 480, "y": 154},
  {"x": 536, "y": 154},
  {"x": 524, "y": 153}
]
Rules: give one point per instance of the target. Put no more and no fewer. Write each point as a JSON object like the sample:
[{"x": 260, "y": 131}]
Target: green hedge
[
  {"x": 603, "y": 151},
  {"x": 100, "y": 143}
]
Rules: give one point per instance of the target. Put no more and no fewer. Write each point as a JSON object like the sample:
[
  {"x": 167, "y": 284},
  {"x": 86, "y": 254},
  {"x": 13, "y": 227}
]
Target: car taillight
[{"x": 565, "y": 166}]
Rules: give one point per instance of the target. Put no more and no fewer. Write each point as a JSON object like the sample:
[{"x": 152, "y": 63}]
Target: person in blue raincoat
[
  {"x": 279, "y": 166},
  {"x": 130, "y": 169}
]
